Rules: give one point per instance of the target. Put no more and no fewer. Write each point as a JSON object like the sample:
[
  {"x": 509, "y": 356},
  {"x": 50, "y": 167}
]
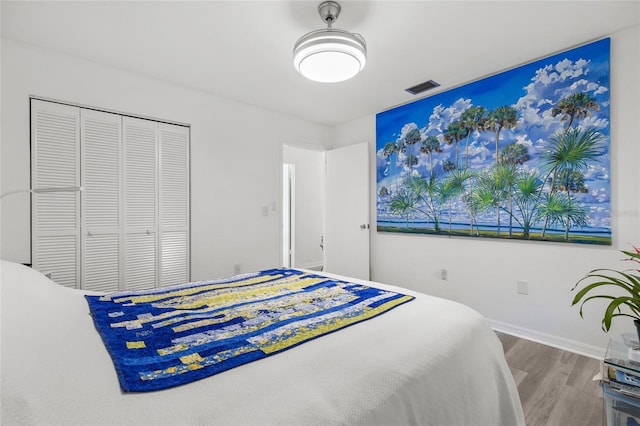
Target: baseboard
[{"x": 549, "y": 340}]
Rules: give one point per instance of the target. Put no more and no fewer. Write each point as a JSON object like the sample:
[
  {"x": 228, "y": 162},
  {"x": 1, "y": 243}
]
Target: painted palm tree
[
  {"x": 485, "y": 196},
  {"x": 493, "y": 188},
  {"x": 403, "y": 203},
  {"x": 383, "y": 197},
  {"x": 576, "y": 215},
  {"x": 436, "y": 200},
  {"x": 473, "y": 119},
  {"x": 448, "y": 166},
  {"x": 411, "y": 160},
  {"x": 455, "y": 133},
  {"x": 571, "y": 151},
  {"x": 552, "y": 208},
  {"x": 461, "y": 184},
  {"x": 572, "y": 182},
  {"x": 389, "y": 149},
  {"x": 511, "y": 156},
  {"x": 400, "y": 149},
  {"x": 527, "y": 189},
  {"x": 575, "y": 106},
  {"x": 559, "y": 209},
  {"x": 447, "y": 192},
  {"x": 503, "y": 117},
  {"x": 428, "y": 146},
  {"x": 412, "y": 137},
  {"x": 415, "y": 188},
  {"x": 514, "y": 154},
  {"x": 428, "y": 194}
]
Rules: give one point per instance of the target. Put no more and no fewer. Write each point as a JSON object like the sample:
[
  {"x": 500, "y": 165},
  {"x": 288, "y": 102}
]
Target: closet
[{"x": 128, "y": 228}]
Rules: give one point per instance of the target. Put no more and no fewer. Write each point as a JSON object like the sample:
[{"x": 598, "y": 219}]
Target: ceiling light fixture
[{"x": 330, "y": 55}]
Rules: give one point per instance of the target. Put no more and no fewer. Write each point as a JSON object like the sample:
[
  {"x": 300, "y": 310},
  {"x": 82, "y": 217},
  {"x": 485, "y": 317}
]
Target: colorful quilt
[{"x": 170, "y": 336}]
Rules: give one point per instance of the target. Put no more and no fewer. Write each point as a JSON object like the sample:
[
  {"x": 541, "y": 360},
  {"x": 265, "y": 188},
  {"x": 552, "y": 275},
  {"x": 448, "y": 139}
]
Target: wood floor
[{"x": 555, "y": 386}]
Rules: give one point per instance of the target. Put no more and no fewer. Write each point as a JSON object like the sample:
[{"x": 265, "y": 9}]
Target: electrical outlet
[
  {"x": 523, "y": 287},
  {"x": 444, "y": 275}
]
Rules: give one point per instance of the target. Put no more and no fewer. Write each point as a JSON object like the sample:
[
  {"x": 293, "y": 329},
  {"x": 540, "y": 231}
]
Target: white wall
[
  {"x": 233, "y": 177},
  {"x": 483, "y": 272},
  {"x": 309, "y": 204},
  {"x": 236, "y": 153}
]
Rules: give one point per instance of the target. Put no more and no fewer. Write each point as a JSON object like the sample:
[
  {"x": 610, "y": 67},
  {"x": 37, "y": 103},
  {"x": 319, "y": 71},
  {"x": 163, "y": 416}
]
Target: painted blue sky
[{"x": 533, "y": 90}]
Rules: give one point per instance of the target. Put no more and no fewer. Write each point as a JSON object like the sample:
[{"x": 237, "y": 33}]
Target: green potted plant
[{"x": 625, "y": 291}]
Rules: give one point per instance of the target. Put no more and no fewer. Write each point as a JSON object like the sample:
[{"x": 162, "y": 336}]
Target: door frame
[
  {"x": 299, "y": 146},
  {"x": 288, "y": 210}
]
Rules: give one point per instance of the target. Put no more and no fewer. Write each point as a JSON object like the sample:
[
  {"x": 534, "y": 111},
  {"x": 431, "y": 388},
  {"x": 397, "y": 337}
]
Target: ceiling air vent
[{"x": 422, "y": 87}]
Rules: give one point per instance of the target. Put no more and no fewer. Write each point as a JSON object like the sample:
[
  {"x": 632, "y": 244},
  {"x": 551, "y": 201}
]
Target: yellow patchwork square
[
  {"x": 191, "y": 359},
  {"x": 136, "y": 345}
]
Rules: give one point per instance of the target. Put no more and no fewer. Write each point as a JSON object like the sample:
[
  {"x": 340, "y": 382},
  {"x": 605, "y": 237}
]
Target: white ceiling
[{"x": 242, "y": 49}]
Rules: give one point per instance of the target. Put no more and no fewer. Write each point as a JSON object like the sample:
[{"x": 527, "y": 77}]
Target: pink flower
[{"x": 634, "y": 257}]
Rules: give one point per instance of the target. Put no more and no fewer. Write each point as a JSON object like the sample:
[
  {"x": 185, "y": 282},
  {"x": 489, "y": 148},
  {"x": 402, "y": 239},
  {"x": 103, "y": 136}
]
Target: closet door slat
[{"x": 141, "y": 261}]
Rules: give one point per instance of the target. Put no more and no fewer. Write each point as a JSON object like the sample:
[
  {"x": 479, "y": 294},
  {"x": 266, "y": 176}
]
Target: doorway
[
  {"x": 303, "y": 207},
  {"x": 325, "y": 215}
]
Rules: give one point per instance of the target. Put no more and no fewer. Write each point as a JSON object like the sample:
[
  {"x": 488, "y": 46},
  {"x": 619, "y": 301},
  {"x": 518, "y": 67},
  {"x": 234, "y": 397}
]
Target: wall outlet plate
[{"x": 523, "y": 287}]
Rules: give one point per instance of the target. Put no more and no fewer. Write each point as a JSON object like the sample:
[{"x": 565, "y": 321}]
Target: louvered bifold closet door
[
  {"x": 55, "y": 223},
  {"x": 140, "y": 202},
  {"x": 174, "y": 204},
  {"x": 101, "y": 200}
]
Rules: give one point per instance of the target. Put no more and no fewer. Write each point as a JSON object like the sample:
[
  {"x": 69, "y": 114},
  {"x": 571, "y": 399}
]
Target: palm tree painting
[{"x": 523, "y": 154}]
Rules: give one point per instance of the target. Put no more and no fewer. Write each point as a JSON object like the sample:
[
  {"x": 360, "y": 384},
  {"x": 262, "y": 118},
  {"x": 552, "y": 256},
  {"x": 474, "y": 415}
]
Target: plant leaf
[
  {"x": 597, "y": 284},
  {"x": 610, "y": 311},
  {"x": 597, "y": 296}
]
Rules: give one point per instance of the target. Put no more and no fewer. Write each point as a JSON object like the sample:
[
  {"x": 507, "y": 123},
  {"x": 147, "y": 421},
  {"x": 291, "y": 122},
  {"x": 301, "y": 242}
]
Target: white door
[
  {"x": 347, "y": 230},
  {"x": 174, "y": 204},
  {"x": 100, "y": 166},
  {"x": 55, "y": 220},
  {"x": 140, "y": 202}
]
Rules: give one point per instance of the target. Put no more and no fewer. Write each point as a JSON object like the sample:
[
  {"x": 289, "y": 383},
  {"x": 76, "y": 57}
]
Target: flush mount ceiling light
[{"x": 329, "y": 55}]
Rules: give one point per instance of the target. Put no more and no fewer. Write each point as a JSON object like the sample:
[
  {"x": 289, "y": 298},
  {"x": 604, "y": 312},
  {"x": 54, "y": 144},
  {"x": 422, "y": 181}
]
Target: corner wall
[
  {"x": 483, "y": 273},
  {"x": 232, "y": 177}
]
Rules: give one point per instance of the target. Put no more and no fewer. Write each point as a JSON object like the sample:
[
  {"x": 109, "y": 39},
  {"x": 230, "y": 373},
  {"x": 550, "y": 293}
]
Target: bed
[{"x": 426, "y": 362}]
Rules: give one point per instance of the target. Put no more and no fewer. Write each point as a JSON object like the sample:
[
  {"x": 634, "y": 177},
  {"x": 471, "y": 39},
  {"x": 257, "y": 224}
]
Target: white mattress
[{"x": 427, "y": 362}]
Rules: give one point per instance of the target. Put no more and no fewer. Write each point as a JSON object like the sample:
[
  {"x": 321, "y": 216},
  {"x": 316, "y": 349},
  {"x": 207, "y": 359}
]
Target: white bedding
[{"x": 448, "y": 368}]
